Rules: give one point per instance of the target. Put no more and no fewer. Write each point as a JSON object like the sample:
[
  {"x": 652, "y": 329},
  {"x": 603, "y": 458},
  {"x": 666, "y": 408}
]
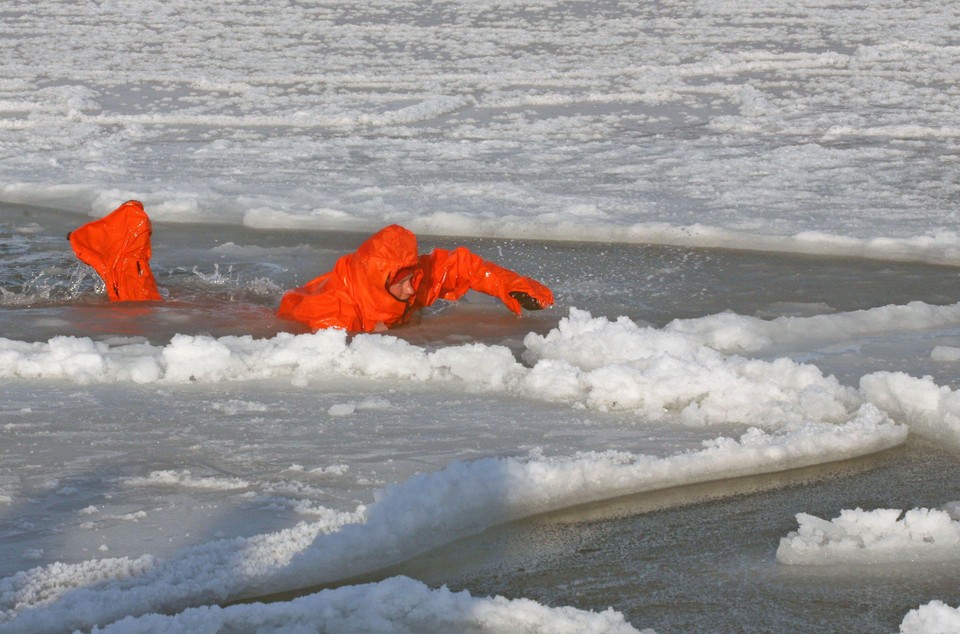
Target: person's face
[{"x": 402, "y": 289}]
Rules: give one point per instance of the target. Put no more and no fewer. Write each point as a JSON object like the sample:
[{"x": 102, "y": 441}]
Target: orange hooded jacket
[
  {"x": 118, "y": 248},
  {"x": 354, "y": 296}
]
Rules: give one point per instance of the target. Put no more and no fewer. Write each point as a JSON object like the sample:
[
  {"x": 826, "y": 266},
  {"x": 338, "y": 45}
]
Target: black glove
[{"x": 525, "y": 300}]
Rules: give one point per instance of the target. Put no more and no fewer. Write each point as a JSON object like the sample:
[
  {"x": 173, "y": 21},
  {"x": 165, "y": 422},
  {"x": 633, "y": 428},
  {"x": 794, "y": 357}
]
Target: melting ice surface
[{"x": 161, "y": 462}]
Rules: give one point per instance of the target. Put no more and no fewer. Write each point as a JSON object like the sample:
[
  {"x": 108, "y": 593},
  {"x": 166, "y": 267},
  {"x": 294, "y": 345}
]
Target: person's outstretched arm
[{"x": 450, "y": 274}]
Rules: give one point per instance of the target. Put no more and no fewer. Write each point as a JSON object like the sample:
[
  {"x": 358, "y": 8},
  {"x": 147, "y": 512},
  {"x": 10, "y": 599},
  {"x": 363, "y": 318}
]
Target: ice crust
[
  {"x": 826, "y": 129},
  {"x": 398, "y": 604},
  {"x": 935, "y": 617},
  {"x": 585, "y": 361},
  {"x": 770, "y": 127},
  {"x": 873, "y": 537},
  {"x": 424, "y": 512}
]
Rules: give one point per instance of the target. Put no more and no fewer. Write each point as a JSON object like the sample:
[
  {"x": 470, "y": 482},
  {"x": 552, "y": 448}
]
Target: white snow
[
  {"x": 426, "y": 511},
  {"x": 670, "y": 374},
  {"x": 935, "y": 617},
  {"x": 731, "y": 333},
  {"x": 932, "y": 410},
  {"x": 823, "y": 129},
  {"x": 872, "y": 537},
  {"x": 551, "y": 121},
  {"x": 398, "y": 604},
  {"x": 184, "y": 479}
]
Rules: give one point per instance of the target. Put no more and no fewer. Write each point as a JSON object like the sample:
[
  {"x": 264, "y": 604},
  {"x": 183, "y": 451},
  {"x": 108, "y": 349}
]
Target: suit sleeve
[{"x": 450, "y": 274}]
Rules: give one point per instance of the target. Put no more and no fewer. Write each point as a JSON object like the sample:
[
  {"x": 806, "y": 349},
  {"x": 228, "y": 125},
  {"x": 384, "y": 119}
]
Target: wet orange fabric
[
  {"x": 118, "y": 248},
  {"x": 354, "y": 296}
]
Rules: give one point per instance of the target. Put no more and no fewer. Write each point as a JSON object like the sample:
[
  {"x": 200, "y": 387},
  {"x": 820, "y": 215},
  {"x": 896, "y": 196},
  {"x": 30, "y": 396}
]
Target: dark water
[
  {"x": 227, "y": 280},
  {"x": 711, "y": 566},
  {"x": 700, "y": 559}
]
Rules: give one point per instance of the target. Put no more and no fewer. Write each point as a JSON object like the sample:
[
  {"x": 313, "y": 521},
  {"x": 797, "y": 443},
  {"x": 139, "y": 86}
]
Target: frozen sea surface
[
  {"x": 748, "y": 214},
  {"x": 822, "y": 128},
  {"x": 707, "y": 566},
  {"x": 166, "y": 430}
]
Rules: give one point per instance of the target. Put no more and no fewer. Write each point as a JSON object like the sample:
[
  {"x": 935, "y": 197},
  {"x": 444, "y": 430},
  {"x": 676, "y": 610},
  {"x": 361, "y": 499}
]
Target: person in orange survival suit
[
  {"x": 378, "y": 286},
  {"x": 117, "y": 246},
  {"x": 385, "y": 281}
]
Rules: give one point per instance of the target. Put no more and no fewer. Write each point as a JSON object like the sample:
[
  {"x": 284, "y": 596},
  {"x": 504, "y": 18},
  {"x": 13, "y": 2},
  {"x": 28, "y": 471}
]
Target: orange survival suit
[
  {"x": 118, "y": 248},
  {"x": 354, "y": 296}
]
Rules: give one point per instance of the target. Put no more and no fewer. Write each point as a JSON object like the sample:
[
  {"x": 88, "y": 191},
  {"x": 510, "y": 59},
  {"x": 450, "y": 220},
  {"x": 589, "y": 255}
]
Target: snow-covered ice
[
  {"x": 932, "y": 618},
  {"x": 179, "y": 457},
  {"x": 395, "y": 605},
  {"x": 876, "y": 536}
]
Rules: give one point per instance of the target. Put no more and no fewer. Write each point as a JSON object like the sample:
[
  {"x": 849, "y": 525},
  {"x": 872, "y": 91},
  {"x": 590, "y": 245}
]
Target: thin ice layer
[
  {"x": 406, "y": 519},
  {"x": 398, "y": 604},
  {"x": 832, "y": 125}
]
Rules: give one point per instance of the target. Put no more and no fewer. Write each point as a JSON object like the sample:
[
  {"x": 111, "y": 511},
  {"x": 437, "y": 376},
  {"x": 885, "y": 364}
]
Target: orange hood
[
  {"x": 118, "y": 248},
  {"x": 369, "y": 270}
]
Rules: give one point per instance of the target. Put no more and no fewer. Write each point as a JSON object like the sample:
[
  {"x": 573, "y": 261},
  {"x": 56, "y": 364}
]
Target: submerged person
[
  {"x": 117, "y": 246},
  {"x": 385, "y": 281},
  {"x": 380, "y": 285}
]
